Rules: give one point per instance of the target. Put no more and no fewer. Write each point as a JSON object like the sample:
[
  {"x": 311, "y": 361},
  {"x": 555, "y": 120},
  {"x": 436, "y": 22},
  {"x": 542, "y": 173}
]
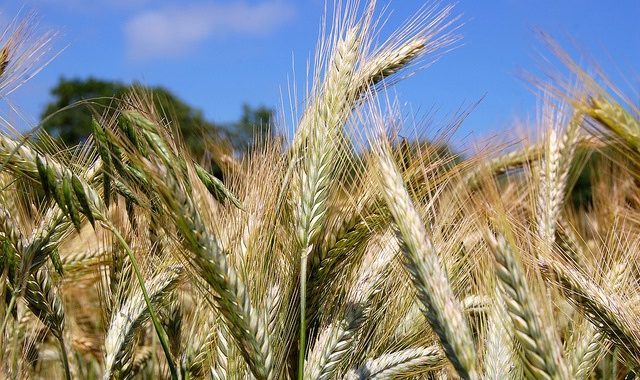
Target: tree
[
  {"x": 252, "y": 128},
  {"x": 70, "y": 122},
  {"x": 73, "y": 125}
]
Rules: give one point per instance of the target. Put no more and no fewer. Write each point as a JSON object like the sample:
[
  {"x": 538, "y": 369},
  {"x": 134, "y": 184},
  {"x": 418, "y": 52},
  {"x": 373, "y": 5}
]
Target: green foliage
[
  {"x": 253, "y": 127},
  {"x": 66, "y": 117}
]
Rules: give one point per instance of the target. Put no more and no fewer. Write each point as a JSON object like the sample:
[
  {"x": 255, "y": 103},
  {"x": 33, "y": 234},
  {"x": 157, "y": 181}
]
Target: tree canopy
[{"x": 66, "y": 119}]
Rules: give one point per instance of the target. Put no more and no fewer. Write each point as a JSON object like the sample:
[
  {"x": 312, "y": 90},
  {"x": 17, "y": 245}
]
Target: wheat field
[{"x": 344, "y": 252}]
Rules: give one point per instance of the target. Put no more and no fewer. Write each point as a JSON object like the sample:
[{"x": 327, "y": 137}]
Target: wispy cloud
[{"x": 175, "y": 31}]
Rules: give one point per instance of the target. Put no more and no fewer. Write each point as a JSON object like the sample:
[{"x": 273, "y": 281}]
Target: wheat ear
[
  {"x": 72, "y": 193},
  {"x": 8, "y": 229},
  {"x": 540, "y": 352},
  {"x": 83, "y": 258},
  {"x": 333, "y": 344},
  {"x": 228, "y": 290},
  {"x": 326, "y": 117},
  {"x": 412, "y": 361},
  {"x": 387, "y": 63},
  {"x": 45, "y": 302},
  {"x": 604, "y": 310},
  {"x": 45, "y": 239},
  {"x": 614, "y": 117},
  {"x": 246, "y": 325},
  {"x": 588, "y": 351},
  {"x": 329, "y": 261},
  {"x": 498, "y": 353},
  {"x": 221, "y": 365},
  {"x": 4, "y": 57},
  {"x": 441, "y": 308},
  {"x": 142, "y": 357},
  {"x": 197, "y": 353},
  {"x": 592, "y": 343},
  {"x": 128, "y": 320},
  {"x": 553, "y": 179},
  {"x": 336, "y": 341},
  {"x": 138, "y": 127},
  {"x": 314, "y": 176}
]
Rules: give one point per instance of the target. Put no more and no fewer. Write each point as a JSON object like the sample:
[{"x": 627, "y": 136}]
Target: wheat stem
[{"x": 65, "y": 359}]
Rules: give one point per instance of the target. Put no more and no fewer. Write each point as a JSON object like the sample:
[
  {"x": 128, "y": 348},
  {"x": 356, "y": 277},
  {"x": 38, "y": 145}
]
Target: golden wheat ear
[{"x": 26, "y": 50}]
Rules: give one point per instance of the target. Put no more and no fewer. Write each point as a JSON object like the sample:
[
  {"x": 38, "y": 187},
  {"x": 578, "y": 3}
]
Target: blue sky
[{"x": 217, "y": 54}]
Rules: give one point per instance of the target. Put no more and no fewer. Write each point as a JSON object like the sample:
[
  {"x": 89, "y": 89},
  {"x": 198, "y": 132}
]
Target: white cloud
[{"x": 174, "y": 31}]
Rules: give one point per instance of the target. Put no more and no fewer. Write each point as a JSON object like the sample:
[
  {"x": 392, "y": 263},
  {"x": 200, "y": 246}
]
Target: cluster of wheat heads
[{"x": 346, "y": 254}]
